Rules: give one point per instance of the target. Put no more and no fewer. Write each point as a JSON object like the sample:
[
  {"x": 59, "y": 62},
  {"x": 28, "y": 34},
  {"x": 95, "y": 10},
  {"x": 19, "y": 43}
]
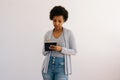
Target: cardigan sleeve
[
  {"x": 43, "y": 50},
  {"x": 71, "y": 50}
]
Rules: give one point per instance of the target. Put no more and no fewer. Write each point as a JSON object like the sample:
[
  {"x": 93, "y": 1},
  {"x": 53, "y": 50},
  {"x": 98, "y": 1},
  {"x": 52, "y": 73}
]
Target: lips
[{"x": 56, "y": 26}]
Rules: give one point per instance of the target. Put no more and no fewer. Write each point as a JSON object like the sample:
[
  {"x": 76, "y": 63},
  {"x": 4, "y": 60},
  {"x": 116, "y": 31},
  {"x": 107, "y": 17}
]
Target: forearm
[
  {"x": 45, "y": 52},
  {"x": 68, "y": 51}
]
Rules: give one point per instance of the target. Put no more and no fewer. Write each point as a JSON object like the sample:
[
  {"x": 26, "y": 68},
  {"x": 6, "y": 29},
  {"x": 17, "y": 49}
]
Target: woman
[{"x": 57, "y": 63}]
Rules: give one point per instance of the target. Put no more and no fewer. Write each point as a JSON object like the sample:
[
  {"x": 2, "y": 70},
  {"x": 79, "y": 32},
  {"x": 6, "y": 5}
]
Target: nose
[{"x": 56, "y": 23}]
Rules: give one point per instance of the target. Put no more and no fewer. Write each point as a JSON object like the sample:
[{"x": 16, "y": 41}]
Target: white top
[{"x": 60, "y": 42}]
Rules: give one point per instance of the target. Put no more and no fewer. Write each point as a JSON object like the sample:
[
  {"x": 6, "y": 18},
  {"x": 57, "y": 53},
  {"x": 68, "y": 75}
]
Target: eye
[
  {"x": 54, "y": 20},
  {"x": 59, "y": 21}
]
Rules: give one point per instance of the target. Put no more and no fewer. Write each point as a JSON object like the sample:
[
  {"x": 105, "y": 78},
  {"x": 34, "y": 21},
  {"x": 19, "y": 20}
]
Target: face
[{"x": 58, "y": 22}]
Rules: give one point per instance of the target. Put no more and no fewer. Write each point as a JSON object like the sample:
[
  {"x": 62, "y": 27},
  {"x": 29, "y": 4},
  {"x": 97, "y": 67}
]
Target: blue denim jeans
[{"x": 56, "y": 69}]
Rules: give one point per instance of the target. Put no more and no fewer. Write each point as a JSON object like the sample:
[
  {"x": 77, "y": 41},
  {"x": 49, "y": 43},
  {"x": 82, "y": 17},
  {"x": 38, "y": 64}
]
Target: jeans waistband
[{"x": 56, "y": 61}]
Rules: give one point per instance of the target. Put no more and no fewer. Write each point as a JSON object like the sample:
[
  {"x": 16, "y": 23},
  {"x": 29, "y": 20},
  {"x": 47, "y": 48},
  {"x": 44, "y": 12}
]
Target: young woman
[{"x": 57, "y": 63}]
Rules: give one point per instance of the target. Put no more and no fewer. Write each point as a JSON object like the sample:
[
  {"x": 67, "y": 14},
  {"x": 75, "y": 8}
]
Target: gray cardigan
[{"x": 68, "y": 50}]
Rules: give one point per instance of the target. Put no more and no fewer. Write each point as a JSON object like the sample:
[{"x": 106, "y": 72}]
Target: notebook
[{"x": 47, "y": 45}]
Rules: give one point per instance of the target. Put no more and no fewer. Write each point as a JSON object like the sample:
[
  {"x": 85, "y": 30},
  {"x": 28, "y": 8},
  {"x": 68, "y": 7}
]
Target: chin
[{"x": 57, "y": 28}]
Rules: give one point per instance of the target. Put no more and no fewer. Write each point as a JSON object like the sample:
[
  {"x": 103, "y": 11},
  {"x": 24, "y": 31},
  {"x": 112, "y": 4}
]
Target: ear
[{"x": 64, "y": 20}]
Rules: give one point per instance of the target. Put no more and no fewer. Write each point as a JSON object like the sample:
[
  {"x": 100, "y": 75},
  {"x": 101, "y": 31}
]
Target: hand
[{"x": 56, "y": 48}]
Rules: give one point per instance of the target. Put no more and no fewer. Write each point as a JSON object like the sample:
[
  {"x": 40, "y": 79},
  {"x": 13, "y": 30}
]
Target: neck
[{"x": 58, "y": 30}]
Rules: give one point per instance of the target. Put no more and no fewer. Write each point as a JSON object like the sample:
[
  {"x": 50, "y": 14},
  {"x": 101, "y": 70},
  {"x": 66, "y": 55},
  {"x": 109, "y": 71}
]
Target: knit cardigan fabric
[{"x": 68, "y": 50}]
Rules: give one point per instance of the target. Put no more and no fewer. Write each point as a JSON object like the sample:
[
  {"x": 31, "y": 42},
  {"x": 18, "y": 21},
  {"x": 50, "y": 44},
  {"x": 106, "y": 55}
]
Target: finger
[{"x": 52, "y": 46}]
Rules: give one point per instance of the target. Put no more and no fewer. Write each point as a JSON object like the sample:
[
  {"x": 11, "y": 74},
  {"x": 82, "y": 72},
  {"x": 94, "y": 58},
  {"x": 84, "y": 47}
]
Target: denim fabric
[{"x": 56, "y": 69}]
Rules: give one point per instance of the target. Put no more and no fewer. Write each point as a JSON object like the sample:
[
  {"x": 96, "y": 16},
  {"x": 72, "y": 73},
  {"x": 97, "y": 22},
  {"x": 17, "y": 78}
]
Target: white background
[{"x": 95, "y": 24}]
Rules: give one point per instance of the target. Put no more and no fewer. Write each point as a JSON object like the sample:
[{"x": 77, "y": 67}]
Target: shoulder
[
  {"x": 48, "y": 32},
  {"x": 68, "y": 31},
  {"x": 47, "y": 35}
]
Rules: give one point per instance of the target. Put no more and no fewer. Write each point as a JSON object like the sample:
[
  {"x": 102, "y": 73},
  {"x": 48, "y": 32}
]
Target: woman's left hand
[{"x": 56, "y": 48}]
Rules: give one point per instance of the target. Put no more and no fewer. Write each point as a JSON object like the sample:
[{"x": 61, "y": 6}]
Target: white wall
[{"x": 95, "y": 24}]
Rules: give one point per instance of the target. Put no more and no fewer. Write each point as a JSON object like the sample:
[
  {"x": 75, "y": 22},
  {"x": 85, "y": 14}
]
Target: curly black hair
[{"x": 58, "y": 11}]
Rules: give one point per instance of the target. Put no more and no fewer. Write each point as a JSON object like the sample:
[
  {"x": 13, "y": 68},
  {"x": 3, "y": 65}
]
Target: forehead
[{"x": 58, "y": 17}]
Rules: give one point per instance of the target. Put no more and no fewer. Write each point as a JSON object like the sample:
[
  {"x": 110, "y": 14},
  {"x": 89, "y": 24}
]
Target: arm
[
  {"x": 43, "y": 50},
  {"x": 72, "y": 46}
]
